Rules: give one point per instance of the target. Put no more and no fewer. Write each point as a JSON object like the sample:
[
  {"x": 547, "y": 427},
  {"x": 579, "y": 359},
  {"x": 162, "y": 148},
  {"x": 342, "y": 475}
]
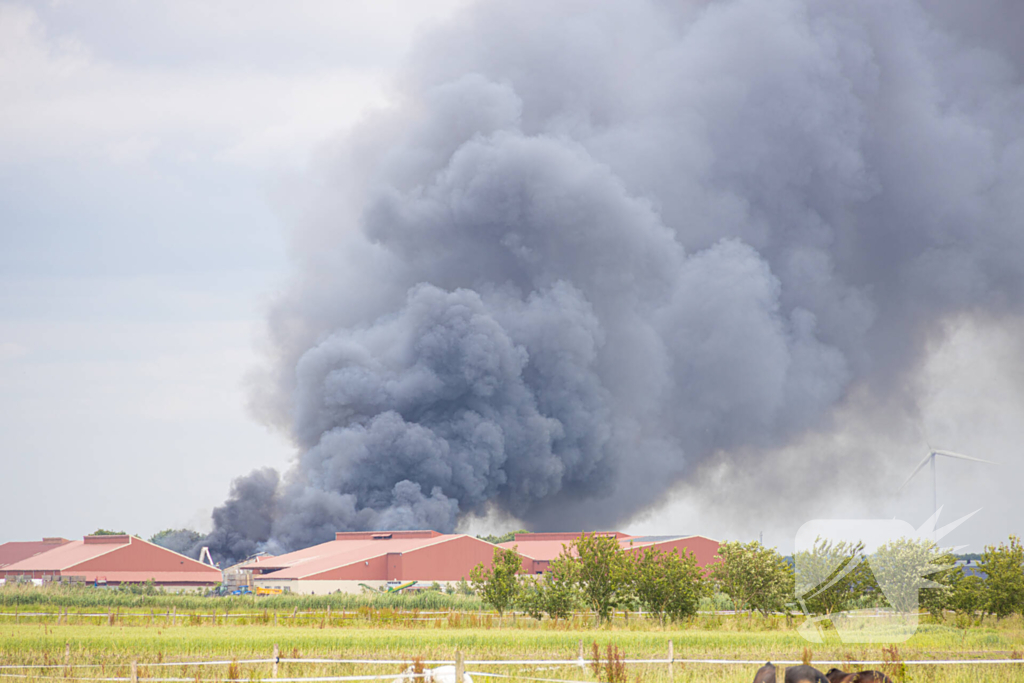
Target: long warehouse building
[
  {"x": 373, "y": 559},
  {"x": 538, "y": 549},
  {"x": 106, "y": 560},
  {"x": 355, "y": 561}
]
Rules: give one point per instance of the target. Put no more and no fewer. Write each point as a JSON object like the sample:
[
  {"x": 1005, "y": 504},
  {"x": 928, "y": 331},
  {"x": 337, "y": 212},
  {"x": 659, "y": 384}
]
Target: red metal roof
[
  {"x": 384, "y": 535},
  {"x": 63, "y": 557},
  {"x": 113, "y": 555},
  {"x": 547, "y": 547},
  {"x": 538, "y": 550},
  {"x": 340, "y": 553},
  {"x": 16, "y": 551}
]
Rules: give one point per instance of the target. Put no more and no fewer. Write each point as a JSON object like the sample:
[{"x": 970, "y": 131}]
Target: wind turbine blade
[
  {"x": 951, "y": 454},
  {"x": 916, "y": 470}
]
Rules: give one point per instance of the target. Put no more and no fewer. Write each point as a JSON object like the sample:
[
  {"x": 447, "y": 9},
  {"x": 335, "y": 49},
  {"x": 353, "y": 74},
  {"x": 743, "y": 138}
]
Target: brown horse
[
  {"x": 804, "y": 674},
  {"x": 871, "y": 676},
  {"x": 766, "y": 674}
]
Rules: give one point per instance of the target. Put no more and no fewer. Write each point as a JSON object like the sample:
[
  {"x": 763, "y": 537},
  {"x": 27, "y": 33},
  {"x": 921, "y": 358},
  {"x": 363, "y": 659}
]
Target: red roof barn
[
  {"x": 374, "y": 559},
  {"x": 16, "y": 551},
  {"x": 113, "y": 560},
  {"x": 538, "y": 549}
]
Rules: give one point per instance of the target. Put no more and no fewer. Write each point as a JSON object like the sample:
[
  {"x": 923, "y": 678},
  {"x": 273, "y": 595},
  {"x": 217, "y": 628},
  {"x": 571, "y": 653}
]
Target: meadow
[{"x": 93, "y": 640}]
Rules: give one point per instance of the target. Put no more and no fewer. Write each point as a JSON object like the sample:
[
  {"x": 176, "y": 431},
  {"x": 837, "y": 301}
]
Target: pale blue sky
[{"x": 149, "y": 157}]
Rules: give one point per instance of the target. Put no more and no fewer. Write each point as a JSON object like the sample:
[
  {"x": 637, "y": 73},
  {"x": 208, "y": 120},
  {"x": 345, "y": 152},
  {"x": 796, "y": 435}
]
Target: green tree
[
  {"x": 498, "y": 584},
  {"x": 939, "y": 596},
  {"x": 603, "y": 572},
  {"x": 901, "y": 569},
  {"x": 831, "y": 576},
  {"x": 530, "y": 600},
  {"x": 651, "y": 584},
  {"x": 967, "y": 596},
  {"x": 107, "y": 532},
  {"x": 503, "y": 538},
  {"x": 178, "y": 540},
  {"x": 668, "y": 584},
  {"x": 755, "y": 577},
  {"x": 1004, "y": 578},
  {"x": 558, "y": 590}
]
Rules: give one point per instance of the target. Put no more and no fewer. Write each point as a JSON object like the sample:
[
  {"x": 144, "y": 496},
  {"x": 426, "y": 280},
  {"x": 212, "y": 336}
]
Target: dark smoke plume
[{"x": 595, "y": 243}]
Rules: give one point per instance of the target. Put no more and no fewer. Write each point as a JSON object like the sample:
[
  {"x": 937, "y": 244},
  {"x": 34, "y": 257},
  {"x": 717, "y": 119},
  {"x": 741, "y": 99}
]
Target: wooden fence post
[
  {"x": 671, "y": 658},
  {"x": 460, "y": 667},
  {"x": 135, "y": 671},
  {"x": 582, "y": 662},
  {"x": 174, "y": 616},
  {"x": 277, "y": 656}
]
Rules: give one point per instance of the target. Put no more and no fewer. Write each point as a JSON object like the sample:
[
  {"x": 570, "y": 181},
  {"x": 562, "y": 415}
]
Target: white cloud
[
  {"x": 138, "y": 247},
  {"x": 68, "y": 97}
]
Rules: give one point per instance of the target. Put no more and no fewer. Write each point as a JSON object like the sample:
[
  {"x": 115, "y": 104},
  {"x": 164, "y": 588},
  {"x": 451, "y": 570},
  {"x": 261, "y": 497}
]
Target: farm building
[
  {"x": 373, "y": 559},
  {"x": 538, "y": 549},
  {"x": 16, "y": 551},
  {"x": 110, "y": 560},
  {"x": 239, "y": 575},
  {"x": 378, "y": 559}
]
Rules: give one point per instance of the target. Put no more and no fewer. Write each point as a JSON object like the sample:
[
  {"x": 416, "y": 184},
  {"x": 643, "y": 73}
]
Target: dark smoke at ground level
[{"x": 595, "y": 245}]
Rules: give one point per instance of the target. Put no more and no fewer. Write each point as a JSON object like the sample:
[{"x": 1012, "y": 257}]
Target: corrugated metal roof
[
  {"x": 335, "y": 554},
  {"x": 64, "y": 556},
  {"x": 16, "y": 551},
  {"x": 537, "y": 550},
  {"x": 549, "y": 546},
  {"x": 550, "y": 549},
  {"x": 130, "y": 560}
]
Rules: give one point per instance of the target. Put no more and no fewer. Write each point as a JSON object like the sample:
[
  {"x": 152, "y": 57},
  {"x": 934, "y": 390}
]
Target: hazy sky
[
  {"x": 149, "y": 160},
  {"x": 153, "y": 157}
]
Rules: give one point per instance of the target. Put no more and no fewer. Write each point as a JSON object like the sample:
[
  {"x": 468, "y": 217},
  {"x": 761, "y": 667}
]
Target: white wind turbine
[{"x": 931, "y": 457}]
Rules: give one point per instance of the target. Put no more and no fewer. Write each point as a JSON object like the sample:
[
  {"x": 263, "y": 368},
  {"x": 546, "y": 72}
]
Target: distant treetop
[
  {"x": 504, "y": 538},
  {"x": 184, "y": 541},
  {"x": 107, "y": 532}
]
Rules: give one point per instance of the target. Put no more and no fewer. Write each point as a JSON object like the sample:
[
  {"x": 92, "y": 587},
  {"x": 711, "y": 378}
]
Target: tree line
[
  {"x": 594, "y": 572},
  {"x": 911, "y": 574}
]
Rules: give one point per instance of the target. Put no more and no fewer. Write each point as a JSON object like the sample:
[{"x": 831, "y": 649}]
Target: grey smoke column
[{"x": 595, "y": 242}]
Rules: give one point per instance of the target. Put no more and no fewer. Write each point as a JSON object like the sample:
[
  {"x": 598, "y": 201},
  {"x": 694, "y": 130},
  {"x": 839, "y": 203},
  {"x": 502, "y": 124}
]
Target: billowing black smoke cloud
[{"x": 596, "y": 242}]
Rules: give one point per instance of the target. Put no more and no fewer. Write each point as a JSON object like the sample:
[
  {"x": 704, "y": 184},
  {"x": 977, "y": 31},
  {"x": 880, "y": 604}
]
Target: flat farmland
[{"x": 83, "y": 647}]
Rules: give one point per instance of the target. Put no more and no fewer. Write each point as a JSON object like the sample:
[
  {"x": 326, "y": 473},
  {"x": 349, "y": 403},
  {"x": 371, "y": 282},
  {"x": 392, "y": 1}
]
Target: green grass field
[{"x": 101, "y": 650}]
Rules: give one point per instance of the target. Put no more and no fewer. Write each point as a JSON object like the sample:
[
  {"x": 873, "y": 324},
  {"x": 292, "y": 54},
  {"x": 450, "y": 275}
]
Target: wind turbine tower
[{"x": 930, "y": 458}]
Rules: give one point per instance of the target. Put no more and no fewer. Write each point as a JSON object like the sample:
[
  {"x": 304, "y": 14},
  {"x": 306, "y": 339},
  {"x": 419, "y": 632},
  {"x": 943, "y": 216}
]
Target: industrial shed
[
  {"x": 16, "y": 551},
  {"x": 111, "y": 561},
  {"x": 239, "y": 575},
  {"x": 354, "y": 560},
  {"x": 538, "y": 549}
]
